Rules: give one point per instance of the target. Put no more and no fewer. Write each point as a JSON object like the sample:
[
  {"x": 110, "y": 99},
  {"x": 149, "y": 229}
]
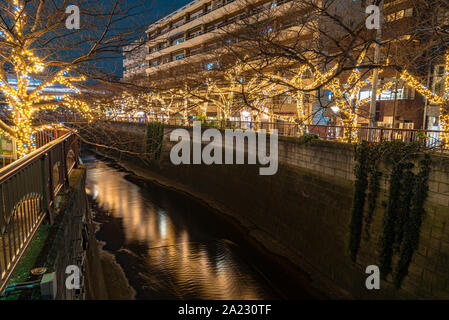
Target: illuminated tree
[
  {"x": 347, "y": 98},
  {"x": 441, "y": 100},
  {"x": 23, "y": 65},
  {"x": 37, "y": 51},
  {"x": 221, "y": 95},
  {"x": 166, "y": 99},
  {"x": 236, "y": 85},
  {"x": 307, "y": 79},
  {"x": 257, "y": 93}
]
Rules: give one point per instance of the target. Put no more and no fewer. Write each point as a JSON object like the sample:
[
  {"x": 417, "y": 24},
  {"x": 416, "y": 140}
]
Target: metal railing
[
  {"x": 28, "y": 189},
  {"x": 429, "y": 138},
  {"x": 41, "y": 138}
]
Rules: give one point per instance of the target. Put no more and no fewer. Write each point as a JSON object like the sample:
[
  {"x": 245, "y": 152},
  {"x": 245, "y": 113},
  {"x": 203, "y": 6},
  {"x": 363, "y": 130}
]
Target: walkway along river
[{"x": 171, "y": 247}]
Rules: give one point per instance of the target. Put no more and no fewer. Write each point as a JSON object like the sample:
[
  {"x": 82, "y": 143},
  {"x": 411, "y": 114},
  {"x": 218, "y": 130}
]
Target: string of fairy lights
[
  {"x": 441, "y": 100},
  {"x": 26, "y": 67},
  {"x": 348, "y": 101},
  {"x": 225, "y": 94},
  {"x": 259, "y": 92}
]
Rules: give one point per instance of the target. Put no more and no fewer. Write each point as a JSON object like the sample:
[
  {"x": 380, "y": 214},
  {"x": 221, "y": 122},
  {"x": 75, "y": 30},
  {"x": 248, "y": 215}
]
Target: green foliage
[
  {"x": 206, "y": 123},
  {"x": 387, "y": 239},
  {"x": 373, "y": 192},
  {"x": 367, "y": 174},
  {"x": 421, "y": 136},
  {"x": 307, "y": 137},
  {"x": 400, "y": 195},
  {"x": 413, "y": 223},
  {"x": 404, "y": 209},
  {"x": 358, "y": 205},
  {"x": 154, "y": 139}
]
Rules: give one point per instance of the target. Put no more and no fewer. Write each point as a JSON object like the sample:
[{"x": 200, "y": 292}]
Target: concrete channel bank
[{"x": 303, "y": 212}]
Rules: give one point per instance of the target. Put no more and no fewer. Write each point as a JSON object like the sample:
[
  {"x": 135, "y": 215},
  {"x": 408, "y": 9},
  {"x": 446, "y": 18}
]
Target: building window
[
  {"x": 179, "y": 56},
  {"x": 180, "y": 40},
  {"x": 404, "y": 93},
  {"x": 212, "y": 65},
  {"x": 409, "y": 12},
  {"x": 438, "y": 80},
  {"x": 396, "y": 16}
]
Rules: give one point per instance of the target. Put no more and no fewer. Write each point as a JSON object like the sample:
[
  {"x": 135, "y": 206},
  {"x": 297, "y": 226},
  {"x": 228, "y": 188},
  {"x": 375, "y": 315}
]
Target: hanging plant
[
  {"x": 388, "y": 226},
  {"x": 406, "y": 195},
  {"x": 154, "y": 139},
  {"x": 361, "y": 183},
  {"x": 367, "y": 156},
  {"x": 404, "y": 209},
  {"x": 400, "y": 193},
  {"x": 413, "y": 224},
  {"x": 374, "y": 176}
]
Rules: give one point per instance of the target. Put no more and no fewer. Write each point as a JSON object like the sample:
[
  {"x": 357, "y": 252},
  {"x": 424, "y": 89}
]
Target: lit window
[
  {"x": 180, "y": 40},
  {"x": 409, "y": 12}
]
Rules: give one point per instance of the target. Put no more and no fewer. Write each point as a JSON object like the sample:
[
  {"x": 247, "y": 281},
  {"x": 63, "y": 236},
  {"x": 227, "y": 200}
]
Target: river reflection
[{"x": 169, "y": 246}]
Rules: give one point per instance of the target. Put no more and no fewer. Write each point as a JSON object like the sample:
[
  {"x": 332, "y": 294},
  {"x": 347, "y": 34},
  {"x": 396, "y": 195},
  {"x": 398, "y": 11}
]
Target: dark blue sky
[{"x": 164, "y": 7}]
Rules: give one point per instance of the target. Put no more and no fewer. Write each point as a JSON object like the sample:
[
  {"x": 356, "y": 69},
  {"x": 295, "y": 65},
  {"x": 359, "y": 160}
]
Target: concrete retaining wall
[
  {"x": 306, "y": 208},
  {"x": 72, "y": 242}
]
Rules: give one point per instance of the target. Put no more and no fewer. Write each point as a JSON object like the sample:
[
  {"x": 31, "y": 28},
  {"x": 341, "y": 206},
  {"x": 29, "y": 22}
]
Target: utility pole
[
  {"x": 376, "y": 70},
  {"x": 395, "y": 100}
]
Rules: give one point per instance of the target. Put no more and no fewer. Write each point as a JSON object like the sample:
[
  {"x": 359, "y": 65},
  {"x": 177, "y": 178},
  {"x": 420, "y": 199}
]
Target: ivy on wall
[
  {"x": 367, "y": 187},
  {"x": 413, "y": 222},
  {"x": 358, "y": 205},
  {"x": 404, "y": 209},
  {"x": 154, "y": 139}
]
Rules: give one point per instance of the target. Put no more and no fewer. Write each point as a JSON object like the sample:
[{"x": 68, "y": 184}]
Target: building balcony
[
  {"x": 200, "y": 37},
  {"x": 189, "y": 23}
]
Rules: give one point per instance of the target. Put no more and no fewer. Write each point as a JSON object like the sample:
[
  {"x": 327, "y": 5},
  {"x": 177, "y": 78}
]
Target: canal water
[{"x": 171, "y": 247}]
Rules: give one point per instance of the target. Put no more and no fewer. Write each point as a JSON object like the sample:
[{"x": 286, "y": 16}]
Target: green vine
[
  {"x": 400, "y": 194},
  {"x": 413, "y": 224},
  {"x": 367, "y": 187},
  {"x": 406, "y": 195},
  {"x": 387, "y": 239},
  {"x": 404, "y": 209},
  {"x": 373, "y": 186},
  {"x": 154, "y": 139}
]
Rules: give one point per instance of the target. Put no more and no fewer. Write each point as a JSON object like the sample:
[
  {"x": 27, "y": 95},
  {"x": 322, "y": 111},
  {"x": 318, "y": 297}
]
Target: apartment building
[
  {"x": 190, "y": 37},
  {"x": 135, "y": 63},
  {"x": 187, "y": 35},
  {"x": 191, "y": 32}
]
